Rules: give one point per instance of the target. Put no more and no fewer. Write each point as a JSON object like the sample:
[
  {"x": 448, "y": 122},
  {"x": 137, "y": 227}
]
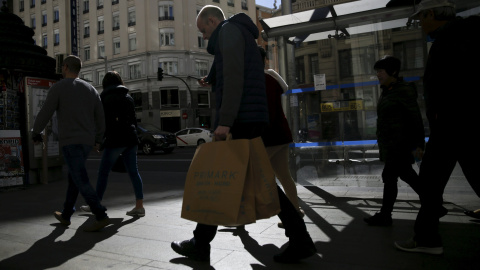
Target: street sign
[{"x": 184, "y": 115}]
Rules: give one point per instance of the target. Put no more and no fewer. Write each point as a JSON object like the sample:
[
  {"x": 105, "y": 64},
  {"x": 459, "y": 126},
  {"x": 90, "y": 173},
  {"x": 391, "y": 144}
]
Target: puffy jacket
[
  {"x": 239, "y": 87},
  {"x": 120, "y": 119},
  {"x": 399, "y": 121}
]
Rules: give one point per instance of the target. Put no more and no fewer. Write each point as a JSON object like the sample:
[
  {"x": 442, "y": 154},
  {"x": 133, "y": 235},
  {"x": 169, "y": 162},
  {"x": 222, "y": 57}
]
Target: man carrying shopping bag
[{"x": 238, "y": 81}]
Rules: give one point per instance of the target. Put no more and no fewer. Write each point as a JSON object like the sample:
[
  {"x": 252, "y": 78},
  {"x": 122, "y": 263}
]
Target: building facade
[{"x": 135, "y": 38}]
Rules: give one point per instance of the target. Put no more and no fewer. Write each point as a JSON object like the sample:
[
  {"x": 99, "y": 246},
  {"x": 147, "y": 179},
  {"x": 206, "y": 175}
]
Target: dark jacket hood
[
  {"x": 114, "y": 89},
  {"x": 245, "y": 21}
]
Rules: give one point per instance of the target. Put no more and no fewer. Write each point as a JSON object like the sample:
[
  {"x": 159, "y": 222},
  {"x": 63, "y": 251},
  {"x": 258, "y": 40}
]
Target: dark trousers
[
  {"x": 442, "y": 153},
  {"x": 395, "y": 168},
  {"x": 294, "y": 224}
]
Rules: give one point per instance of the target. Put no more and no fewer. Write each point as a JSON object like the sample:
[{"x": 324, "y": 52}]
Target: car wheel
[
  {"x": 201, "y": 141},
  {"x": 147, "y": 148},
  {"x": 168, "y": 151}
]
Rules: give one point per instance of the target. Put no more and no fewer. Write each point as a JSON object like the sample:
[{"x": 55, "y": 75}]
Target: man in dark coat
[
  {"x": 451, "y": 97},
  {"x": 238, "y": 80}
]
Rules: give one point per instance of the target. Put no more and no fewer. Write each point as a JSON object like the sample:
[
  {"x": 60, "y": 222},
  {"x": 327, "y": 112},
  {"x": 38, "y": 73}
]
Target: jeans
[
  {"x": 109, "y": 156},
  {"x": 75, "y": 156}
]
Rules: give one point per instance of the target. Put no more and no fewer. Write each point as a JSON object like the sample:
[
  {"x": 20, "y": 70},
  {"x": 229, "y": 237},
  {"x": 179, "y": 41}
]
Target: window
[
  {"x": 201, "y": 67},
  {"x": 116, "y": 46},
  {"x": 44, "y": 41},
  {"x": 101, "y": 25},
  {"x": 167, "y": 37},
  {"x": 119, "y": 70},
  {"x": 32, "y": 3},
  {"x": 86, "y": 6},
  {"x": 203, "y": 99},
  {"x": 410, "y": 54},
  {"x": 56, "y": 15},
  {"x": 101, "y": 49},
  {"x": 86, "y": 52},
  {"x": 169, "y": 98},
  {"x": 44, "y": 18},
  {"x": 115, "y": 2},
  {"x": 56, "y": 37},
  {"x": 21, "y": 6},
  {"x": 137, "y": 100},
  {"x": 116, "y": 21},
  {"x": 169, "y": 67},
  {"x": 231, "y": 3},
  {"x": 132, "y": 42},
  {"x": 315, "y": 67},
  {"x": 100, "y": 75},
  {"x": 300, "y": 69},
  {"x": 86, "y": 29},
  {"x": 244, "y": 4},
  {"x": 99, "y": 4},
  {"x": 87, "y": 76},
  {"x": 131, "y": 16},
  {"x": 165, "y": 10},
  {"x": 134, "y": 71},
  {"x": 201, "y": 41},
  {"x": 43, "y": 2},
  {"x": 33, "y": 23}
]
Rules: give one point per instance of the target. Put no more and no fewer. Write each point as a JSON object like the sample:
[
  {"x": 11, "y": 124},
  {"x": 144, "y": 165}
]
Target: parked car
[
  {"x": 193, "y": 136},
  {"x": 152, "y": 138}
]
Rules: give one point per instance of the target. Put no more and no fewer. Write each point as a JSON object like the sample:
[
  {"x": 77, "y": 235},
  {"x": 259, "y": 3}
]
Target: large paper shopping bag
[
  {"x": 215, "y": 182},
  {"x": 267, "y": 203}
]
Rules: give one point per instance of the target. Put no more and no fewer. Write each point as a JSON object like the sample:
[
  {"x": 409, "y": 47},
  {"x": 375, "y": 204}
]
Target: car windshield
[{"x": 149, "y": 127}]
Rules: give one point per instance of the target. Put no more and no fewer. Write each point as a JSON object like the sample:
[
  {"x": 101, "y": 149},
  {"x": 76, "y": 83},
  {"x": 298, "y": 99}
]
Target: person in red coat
[{"x": 277, "y": 135}]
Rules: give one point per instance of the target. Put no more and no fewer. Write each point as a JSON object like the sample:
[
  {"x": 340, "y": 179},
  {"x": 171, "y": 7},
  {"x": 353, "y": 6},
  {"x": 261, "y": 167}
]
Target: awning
[{"x": 353, "y": 17}]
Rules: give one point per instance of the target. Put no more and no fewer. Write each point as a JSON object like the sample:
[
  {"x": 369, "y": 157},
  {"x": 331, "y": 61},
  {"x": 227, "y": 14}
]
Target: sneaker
[
  {"x": 188, "y": 249},
  {"x": 412, "y": 246},
  {"x": 136, "y": 212},
  {"x": 296, "y": 251},
  {"x": 379, "y": 219},
  {"x": 301, "y": 213},
  {"x": 85, "y": 208},
  {"x": 98, "y": 225},
  {"x": 59, "y": 217}
]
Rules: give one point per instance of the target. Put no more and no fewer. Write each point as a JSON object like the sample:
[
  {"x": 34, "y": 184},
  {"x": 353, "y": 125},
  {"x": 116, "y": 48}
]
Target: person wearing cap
[
  {"x": 451, "y": 94},
  {"x": 400, "y": 133}
]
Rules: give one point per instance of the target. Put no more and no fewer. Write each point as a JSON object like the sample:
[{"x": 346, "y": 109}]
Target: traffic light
[{"x": 160, "y": 74}]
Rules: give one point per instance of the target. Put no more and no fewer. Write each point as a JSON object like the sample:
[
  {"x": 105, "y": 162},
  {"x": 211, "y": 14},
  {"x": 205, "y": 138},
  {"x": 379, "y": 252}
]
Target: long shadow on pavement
[{"x": 47, "y": 253}]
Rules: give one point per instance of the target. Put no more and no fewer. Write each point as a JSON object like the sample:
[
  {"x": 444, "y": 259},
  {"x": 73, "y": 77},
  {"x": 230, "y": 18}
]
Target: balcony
[
  {"x": 244, "y": 6},
  {"x": 114, "y": 2},
  {"x": 100, "y": 32},
  {"x": 55, "y": 21},
  {"x": 231, "y": 4},
  {"x": 56, "y": 43},
  {"x": 86, "y": 11},
  {"x": 44, "y": 24},
  {"x": 86, "y": 36},
  {"x": 166, "y": 18},
  {"x": 100, "y": 7},
  {"x": 131, "y": 23},
  {"x": 116, "y": 27}
]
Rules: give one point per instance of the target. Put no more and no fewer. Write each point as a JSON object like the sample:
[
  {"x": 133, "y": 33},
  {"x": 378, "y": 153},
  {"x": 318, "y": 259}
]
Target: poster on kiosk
[{"x": 36, "y": 90}]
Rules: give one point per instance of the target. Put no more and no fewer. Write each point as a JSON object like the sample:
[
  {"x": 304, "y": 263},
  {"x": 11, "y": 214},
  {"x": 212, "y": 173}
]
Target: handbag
[
  {"x": 119, "y": 166},
  {"x": 227, "y": 181}
]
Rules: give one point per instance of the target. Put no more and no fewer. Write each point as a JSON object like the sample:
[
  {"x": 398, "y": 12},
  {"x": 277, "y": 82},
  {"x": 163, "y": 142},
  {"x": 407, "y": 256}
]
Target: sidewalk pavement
[{"x": 31, "y": 238}]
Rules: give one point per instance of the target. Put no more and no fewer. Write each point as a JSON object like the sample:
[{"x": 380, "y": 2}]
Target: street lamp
[{"x": 106, "y": 62}]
